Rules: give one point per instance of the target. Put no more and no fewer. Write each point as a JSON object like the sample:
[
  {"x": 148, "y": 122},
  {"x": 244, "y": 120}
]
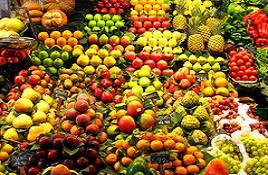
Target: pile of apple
[
  {"x": 8, "y": 56},
  {"x": 242, "y": 66},
  {"x": 30, "y": 116},
  {"x": 106, "y": 22},
  {"x": 149, "y": 15},
  {"x": 107, "y": 87},
  {"x": 113, "y": 40},
  {"x": 79, "y": 154},
  {"x": 38, "y": 79},
  {"x": 112, "y": 6}
]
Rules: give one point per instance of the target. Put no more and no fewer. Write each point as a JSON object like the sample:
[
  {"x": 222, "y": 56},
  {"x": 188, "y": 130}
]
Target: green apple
[
  {"x": 55, "y": 54},
  {"x": 89, "y": 17},
  {"x": 96, "y": 29},
  {"x": 97, "y": 17},
  {"x": 101, "y": 23},
  {"x": 144, "y": 81},
  {"x": 58, "y": 63},
  {"x": 116, "y": 18},
  {"x": 109, "y": 23},
  {"x": 131, "y": 84},
  {"x": 65, "y": 56},
  {"x": 119, "y": 24},
  {"x": 106, "y": 17},
  {"x": 92, "y": 23},
  {"x": 43, "y": 54}
]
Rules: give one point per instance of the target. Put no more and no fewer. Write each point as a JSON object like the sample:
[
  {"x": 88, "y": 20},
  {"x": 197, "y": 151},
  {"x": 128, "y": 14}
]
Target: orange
[
  {"x": 78, "y": 34},
  {"x": 143, "y": 2},
  {"x": 3, "y": 156},
  {"x": 198, "y": 155},
  {"x": 201, "y": 163},
  {"x": 156, "y": 145},
  {"x": 126, "y": 161},
  {"x": 148, "y": 7},
  {"x": 160, "y": 2},
  {"x": 117, "y": 166},
  {"x": 125, "y": 144},
  {"x": 221, "y": 82},
  {"x": 67, "y": 48},
  {"x": 118, "y": 144},
  {"x": 103, "y": 137},
  {"x": 111, "y": 158},
  {"x": 132, "y": 152},
  {"x": 143, "y": 144},
  {"x": 138, "y": 7},
  {"x": 55, "y": 35},
  {"x": 180, "y": 171},
  {"x": 192, "y": 169},
  {"x": 42, "y": 36},
  {"x": 61, "y": 41},
  {"x": 49, "y": 42},
  {"x": 152, "y": 2},
  {"x": 179, "y": 138},
  {"x": 191, "y": 150},
  {"x": 67, "y": 34},
  {"x": 177, "y": 163},
  {"x": 72, "y": 41},
  {"x": 179, "y": 147},
  {"x": 189, "y": 159},
  {"x": 165, "y": 7},
  {"x": 169, "y": 144}
]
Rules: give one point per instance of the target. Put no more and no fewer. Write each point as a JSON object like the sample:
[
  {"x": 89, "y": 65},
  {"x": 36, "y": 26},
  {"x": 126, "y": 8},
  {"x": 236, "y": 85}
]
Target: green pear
[
  {"x": 197, "y": 67},
  {"x": 137, "y": 90},
  {"x": 206, "y": 67},
  {"x": 211, "y": 60},
  {"x": 182, "y": 57},
  {"x": 131, "y": 84},
  {"x": 144, "y": 73},
  {"x": 83, "y": 60},
  {"x": 216, "y": 67},
  {"x": 150, "y": 89},
  {"x": 202, "y": 60},
  {"x": 220, "y": 60},
  {"x": 187, "y": 64},
  {"x": 192, "y": 59},
  {"x": 144, "y": 81},
  {"x": 157, "y": 84}
]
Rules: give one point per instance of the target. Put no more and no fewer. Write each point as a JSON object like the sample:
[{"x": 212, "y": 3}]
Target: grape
[
  {"x": 255, "y": 147},
  {"x": 230, "y": 149},
  {"x": 257, "y": 166}
]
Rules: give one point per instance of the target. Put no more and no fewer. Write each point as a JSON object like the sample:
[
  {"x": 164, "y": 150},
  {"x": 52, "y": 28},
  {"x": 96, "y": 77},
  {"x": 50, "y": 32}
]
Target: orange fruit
[
  {"x": 179, "y": 147},
  {"x": 154, "y": 165},
  {"x": 156, "y": 145},
  {"x": 134, "y": 2},
  {"x": 72, "y": 41},
  {"x": 201, "y": 163},
  {"x": 143, "y": 2},
  {"x": 189, "y": 159},
  {"x": 118, "y": 144},
  {"x": 177, "y": 163},
  {"x": 147, "y": 7},
  {"x": 67, "y": 34},
  {"x": 168, "y": 172},
  {"x": 42, "y": 36},
  {"x": 138, "y": 7},
  {"x": 191, "y": 150},
  {"x": 111, "y": 158},
  {"x": 192, "y": 169},
  {"x": 167, "y": 165},
  {"x": 55, "y": 35},
  {"x": 61, "y": 41},
  {"x": 49, "y": 42},
  {"x": 125, "y": 144},
  {"x": 198, "y": 155},
  {"x": 169, "y": 144},
  {"x": 3, "y": 156},
  {"x": 156, "y": 7},
  {"x": 67, "y": 48},
  {"x": 221, "y": 82},
  {"x": 181, "y": 170},
  {"x": 78, "y": 34},
  {"x": 143, "y": 144},
  {"x": 132, "y": 152},
  {"x": 179, "y": 138},
  {"x": 7, "y": 148},
  {"x": 126, "y": 161},
  {"x": 165, "y": 7}
]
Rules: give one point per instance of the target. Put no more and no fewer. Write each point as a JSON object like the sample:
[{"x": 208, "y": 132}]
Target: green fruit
[
  {"x": 55, "y": 54},
  {"x": 58, "y": 63},
  {"x": 89, "y": 17},
  {"x": 206, "y": 67},
  {"x": 157, "y": 84},
  {"x": 65, "y": 56},
  {"x": 137, "y": 90},
  {"x": 86, "y": 28},
  {"x": 36, "y": 61},
  {"x": 96, "y": 29},
  {"x": 43, "y": 54},
  {"x": 197, "y": 67},
  {"x": 113, "y": 28},
  {"x": 187, "y": 64},
  {"x": 41, "y": 67},
  {"x": 220, "y": 60},
  {"x": 52, "y": 70},
  {"x": 216, "y": 67},
  {"x": 106, "y": 17},
  {"x": 116, "y": 18},
  {"x": 112, "y": 130},
  {"x": 97, "y": 17},
  {"x": 144, "y": 81},
  {"x": 109, "y": 23},
  {"x": 192, "y": 59},
  {"x": 101, "y": 24},
  {"x": 202, "y": 60},
  {"x": 92, "y": 23},
  {"x": 119, "y": 24},
  {"x": 150, "y": 89},
  {"x": 159, "y": 102},
  {"x": 103, "y": 39},
  {"x": 47, "y": 62},
  {"x": 211, "y": 60},
  {"x": 146, "y": 67},
  {"x": 144, "y": 73},
  {"x": 131, "y": 84}
]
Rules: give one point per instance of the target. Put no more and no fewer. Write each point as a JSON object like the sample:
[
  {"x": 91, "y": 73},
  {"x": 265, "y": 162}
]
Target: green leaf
[
  {"x": 35, "y": 147},
  {"x": 70, "y": 152}
]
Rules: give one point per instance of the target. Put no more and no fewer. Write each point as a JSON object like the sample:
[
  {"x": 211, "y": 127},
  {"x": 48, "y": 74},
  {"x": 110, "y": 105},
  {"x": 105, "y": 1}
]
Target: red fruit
[
  {"x": 112, "y": 11},
  {"x": 33, "y": 171},
  {"x": 240, "y": 62},
  {"x": 156, "y": 71},
  {"x": 93, "y": 39},
  {"x": 92, "y": 153},
  {"x": 44, "y": 142},
  {"x": 57, "y": 142},
  {"x": 135, "y": 108},
  {"x": 130, "y": 56},
  {"x": 235, "y": 68},
  {"x": 172, "y": 88},
  {"x": 216, "y": 167},
  {"x": 254, "y": 72},
  {"x": 126, "y": 124},
  {"x": 81, "y": 105},
  {"x": 147, "y": 24},
  {"x": 156, "y": 24},
  {"x": 130, "y": 69},
  {"x": 162, "y": 18},
  {"x": 82, "y": 162},
  {"x": 144, "y": 55},
  {"x": 240, "y": 73},
  {"x": 98, "y": 92},
  {"x": 252, "y": 78},
  {"x": 104, "y": 10},
  {"x": 243, "y": 68},
  {"x": 143, "y": 18},
  {"x": 83, "y": 97},
  {"x": 134, "y": 18},
  {"x": 156, "y": 56},
  {"x": 178, "y": 94},
  {"x": 106, "y": 83},
  {"x": 168, "y": 72},
  {"x": 71, "y": 141},
  {"x": 107, "y": 96},
  {"x": 52, "y": 155},
  {"x": 168, "y": 56},
  {"x": 152, "y": 18},
  {"x": 92, "y": 129},
  {"x": 13, "y": 60},
  {"x": 20, "y": 54},
  {"x": 71, "y": 114},
  {"x": 179, "y": 76},
  {"x": 34, "y": 79},
  {"x": 125, "y": 41},
  {"x": 23, "y": 73},
  {"x": 82, "y": 120},
  {"x": 3, "y": 61},
  {"x": 24, "y": 86},
  {"x": 141, "y": 30},
  {"x": 137, "y": 24},
  {"x": 6, "y": 53},
  {"x": 166, "y": 24},
  {"x": 162, "y": 64},
  {"x": 150, "y": 63},
  {"x": 132, "y": 30},
  {"x": 191, "y": 78},
  {"x": 245, "y": 78},
  {"x": 137, "y": 63},
  {"x": 19, "y": 80},
  {"x": 184, "y": 84},
  {"x": 196, "y": 89},
  {"x": 117, "y": 83},
  {"x": 118, "y": 99}
]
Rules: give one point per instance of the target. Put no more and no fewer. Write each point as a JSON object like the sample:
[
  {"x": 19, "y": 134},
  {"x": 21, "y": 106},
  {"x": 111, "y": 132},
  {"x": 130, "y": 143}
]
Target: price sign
[
  {"x": 160, "y": 158},
  {"x": 201, "y": 76},
  {"x": 163, "y": 120},
  {"x": 4, "y": 8},
  {"x": 153, "y": 96}
]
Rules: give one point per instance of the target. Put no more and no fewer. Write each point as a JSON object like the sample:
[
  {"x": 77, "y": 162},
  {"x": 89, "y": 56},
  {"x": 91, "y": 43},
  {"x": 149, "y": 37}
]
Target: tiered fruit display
[
  {"x": 50, "y": 60},
  {"x": 38, "y": 79},
  {"x": 149, "y": 15},
  {"x": 111, "y": 41},
  {"x": 103, "y": 22},
  {"x": 66, "y": 40},
  {"x": 31, "y": 115},
  {"x": 112, "y": 6},
  {"x": 12, "y": 56}
]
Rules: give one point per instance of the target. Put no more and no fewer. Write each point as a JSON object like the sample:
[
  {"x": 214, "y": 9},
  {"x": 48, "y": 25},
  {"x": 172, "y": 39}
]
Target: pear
[
  {"x": 103, "y": 53},
  {"x": 43, "y": 106},
  {"x": 103, "y": 39},
  {"x": 144, "y": 73},
  {"x": 220, "y": 60},
  {"x": 202, "y": 60},
  {"x": 211, "y": 60},
  {"x": 187, "y": 64},
  {"x": 182, "y": 57},
  {"x": 157, "y": 84},
  {"x": 48, "y": 99},
  {"x": 11, "y": 134},
  {"x": 137, "y": 90},
  {"x": 39, "y": 116},
  {"x": 206, "y": 67},
  {"x": 23, "y": 105},
  {"x": 150, "y": 89},
  {"x": 197, "y": 67},
  {"x": 77, "y": 52},
  {"x": 83, "y": 60},
  {"x": 95, "y": 60},
  {"x": 192, "y": 59},
  {"x": 47, "y": 127},
  {"x": 109, "y": 61},
  {"x": 34, "y": 132},
  {"x": 31, "y": 94},
  {"x": 10, "y": 117},
  {"x": 23, "y": 121},
  {"x": 115, "y": 70},
  {"x": 90, "y": 52},
  {"x": 216, "y": 67}
]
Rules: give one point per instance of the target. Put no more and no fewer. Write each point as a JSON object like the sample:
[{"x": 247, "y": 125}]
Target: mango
[
  {"x": 31, "y": 94},
  {"x": 34, "y": 132},
  {"x": 11, "y": 134},
  {"x": 23, "y": 121},
  {"x": 39, "y": 116},
  {"x": 23, "y": 105}
]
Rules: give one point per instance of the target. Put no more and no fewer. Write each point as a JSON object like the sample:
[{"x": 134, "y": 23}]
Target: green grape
[
  {"x": 229, "y": 148},
  {"x": 257, "y": 166},
  {"x": 255, "y": 147}
]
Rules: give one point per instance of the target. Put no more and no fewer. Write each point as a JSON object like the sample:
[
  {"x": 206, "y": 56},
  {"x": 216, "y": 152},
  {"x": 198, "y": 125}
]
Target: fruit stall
[{"x": 134, "y": 87}]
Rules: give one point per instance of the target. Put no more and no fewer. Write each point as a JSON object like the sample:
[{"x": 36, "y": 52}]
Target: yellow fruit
[
  {"x": 152, "y": 2},
  {"x": 34, "y": 132},
  {"x": 160, "y": 2},
  {"x": 72, "y": 41},
  {"x": 138, "y": 7},
  {"x": 142, "y": 2},
  {"x": 77, "y": 52},
  {"x": 55, "y": 35},
  {"x": 7, "y": 148},
  {"x": 78, "y": 46},
  {"x": 222, "y": 91},
  {"x": 23, "y": 121},
  {"x": 23, "y": 105},
  {"x": 89, "y": 69},
  {"x": 134, "y": 12},
  {"x": 219, "y": 74},
  {"x": 109, "y": 61},
  {"x": 152, "y": 12},
  {"x": 39, "y": 117},
  {"x": 61, "y": 41},
  {"x": 208, "y": 91},
  {"x": 42, "y": 36},
  {"x": 47, "y": 127},
  {"x": 10, "y": 117},
  {"x": 48, "y": 99},
  {"x": 11, "y": 134},
  {"x": 147, "y": 7},
  {"x": 83, "y": 60},
  {"x": 165, "y": 7},
  {"x": 156, "y": 7},
  {"x": 221, "y": 82},
  {"x": 78, "y": 34},
  {"x": 67, "y": 34},
  {"x": 3, "y": 156},
  {"x": 31, "y": 94},
  {"x": 115, "y": 70},
  {"x": 43, "y": 106},
  {"x": 67, "y": 48}
]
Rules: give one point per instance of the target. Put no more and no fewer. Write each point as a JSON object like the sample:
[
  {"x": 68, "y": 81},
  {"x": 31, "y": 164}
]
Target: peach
[
  {"x": 135, "y": 108},
  {"x": 82, "y": 120},
  {"x": 71, "y": 114},
  {"x": 126, "y": 124},
  {"x": 81, "y": 105}
]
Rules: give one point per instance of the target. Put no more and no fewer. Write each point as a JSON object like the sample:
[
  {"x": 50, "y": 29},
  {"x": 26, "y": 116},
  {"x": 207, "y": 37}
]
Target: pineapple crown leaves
[
  {"x": 180, "y": 6},
  {"x": 204, "y": 15},
  {"x": 217, "y": 29},
  {"x": 194, "y": 23}
]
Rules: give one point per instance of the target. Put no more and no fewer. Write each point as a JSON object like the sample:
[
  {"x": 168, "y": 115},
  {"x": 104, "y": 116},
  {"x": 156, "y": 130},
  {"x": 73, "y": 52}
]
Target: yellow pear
[
  {"x": 51, "y": 117},
  {"x": 39, "y": 116},
  {"x": 109, "y": 61},
  {"x": 10, "y": 117},
  {"x": 83, "y": 60},
  {"x": 11, "y": 134},
  {"x": 115, "y": 70},
  {"x": 95, "y": 60},
  {"x": 31, "y": 94},
  {"x": 23, "y": 105},
  {"x": 47, "y": 127},
  {"x": 34, "y": 132},
  {"x": 42, "y": 106},
  {"x": 23, "y": 121},
  {"x": 48, "y": 99}
]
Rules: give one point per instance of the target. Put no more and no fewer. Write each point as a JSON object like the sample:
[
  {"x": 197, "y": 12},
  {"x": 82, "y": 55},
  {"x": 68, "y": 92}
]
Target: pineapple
[
  {"x": 195, "y": 41},
  {"x": 180, "y": 21},
  {"x": 216, "y": 41},
  {"x": 205, "y": 32},
  {"x": 211, "y": 22}
]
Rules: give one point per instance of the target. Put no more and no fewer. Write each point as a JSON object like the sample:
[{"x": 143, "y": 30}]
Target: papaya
[{"x": 216, "y": 167}]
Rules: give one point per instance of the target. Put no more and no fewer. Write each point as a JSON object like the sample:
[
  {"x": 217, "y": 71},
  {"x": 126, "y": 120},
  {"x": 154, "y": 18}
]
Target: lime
[
  {"x": 47, "y": 62},
  {"x": 55, "y": 54},
  {"x": 116, "y": 18},
  {"x": 43, "y": 54},
  {"x": 109, "y": 23},
  {"x": 52, "y": 70},
  {"x": 89, "y": 17},
  {"x": 95, "y": 29},
  {"x": 106, "y": 17},
  {"x": 92, "y": 23},
  {"x": 65, "y": 56},
  {"x": 101, "y": 23},
  {"x": 58, "y": 63},
  {"x": 119, "y": 24},
  {"x": 97, "y": 17},
  {"x": 41, "y": 67},
  {"x": 36, "y": 61},
  {"x": 113, "y": 28}
]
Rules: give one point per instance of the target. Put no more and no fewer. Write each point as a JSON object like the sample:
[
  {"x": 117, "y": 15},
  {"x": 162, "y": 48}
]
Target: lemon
[
  {"x": 162, "y": 42},
  {"x": 89, "y": 69},
  {"x": 167, "y": 34}
]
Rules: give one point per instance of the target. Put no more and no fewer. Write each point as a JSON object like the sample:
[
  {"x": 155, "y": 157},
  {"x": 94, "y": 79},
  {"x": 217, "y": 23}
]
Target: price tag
[
  {"x": 201, "y": 77},
  {"x": 4, "y": 8},
  {"x": 61, "y": 95},
  {"x": 153, "y": 96},
  {"x": 163, "y": 120},
  {"x": 160, "y": 158}
]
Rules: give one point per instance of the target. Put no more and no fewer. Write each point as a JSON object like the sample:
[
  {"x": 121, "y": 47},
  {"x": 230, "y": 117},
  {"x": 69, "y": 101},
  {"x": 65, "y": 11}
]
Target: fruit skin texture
[
  {"x": 201, "y": 113},
  {"x": 23, "y": 105},
  {"x": 199, "y": 137},
  {"x": 126, "y": 124},
  {"x": 60, "y": 170},
  {"x": 81, "y": 105},
  {"x": 195, "y": 43},
  {"x": 216, "y": 167},
  {"x": 190, "y": 99},
  {"x": 135, "y": 108},
  {"x": 190, "y": 122},
  {"x": 216, "y": 43}
]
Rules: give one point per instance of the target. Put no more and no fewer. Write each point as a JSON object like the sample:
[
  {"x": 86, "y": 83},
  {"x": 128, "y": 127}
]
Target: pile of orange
[
  {"x": 66, "y": 40},
  {"x": 151, "y": 7}
]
